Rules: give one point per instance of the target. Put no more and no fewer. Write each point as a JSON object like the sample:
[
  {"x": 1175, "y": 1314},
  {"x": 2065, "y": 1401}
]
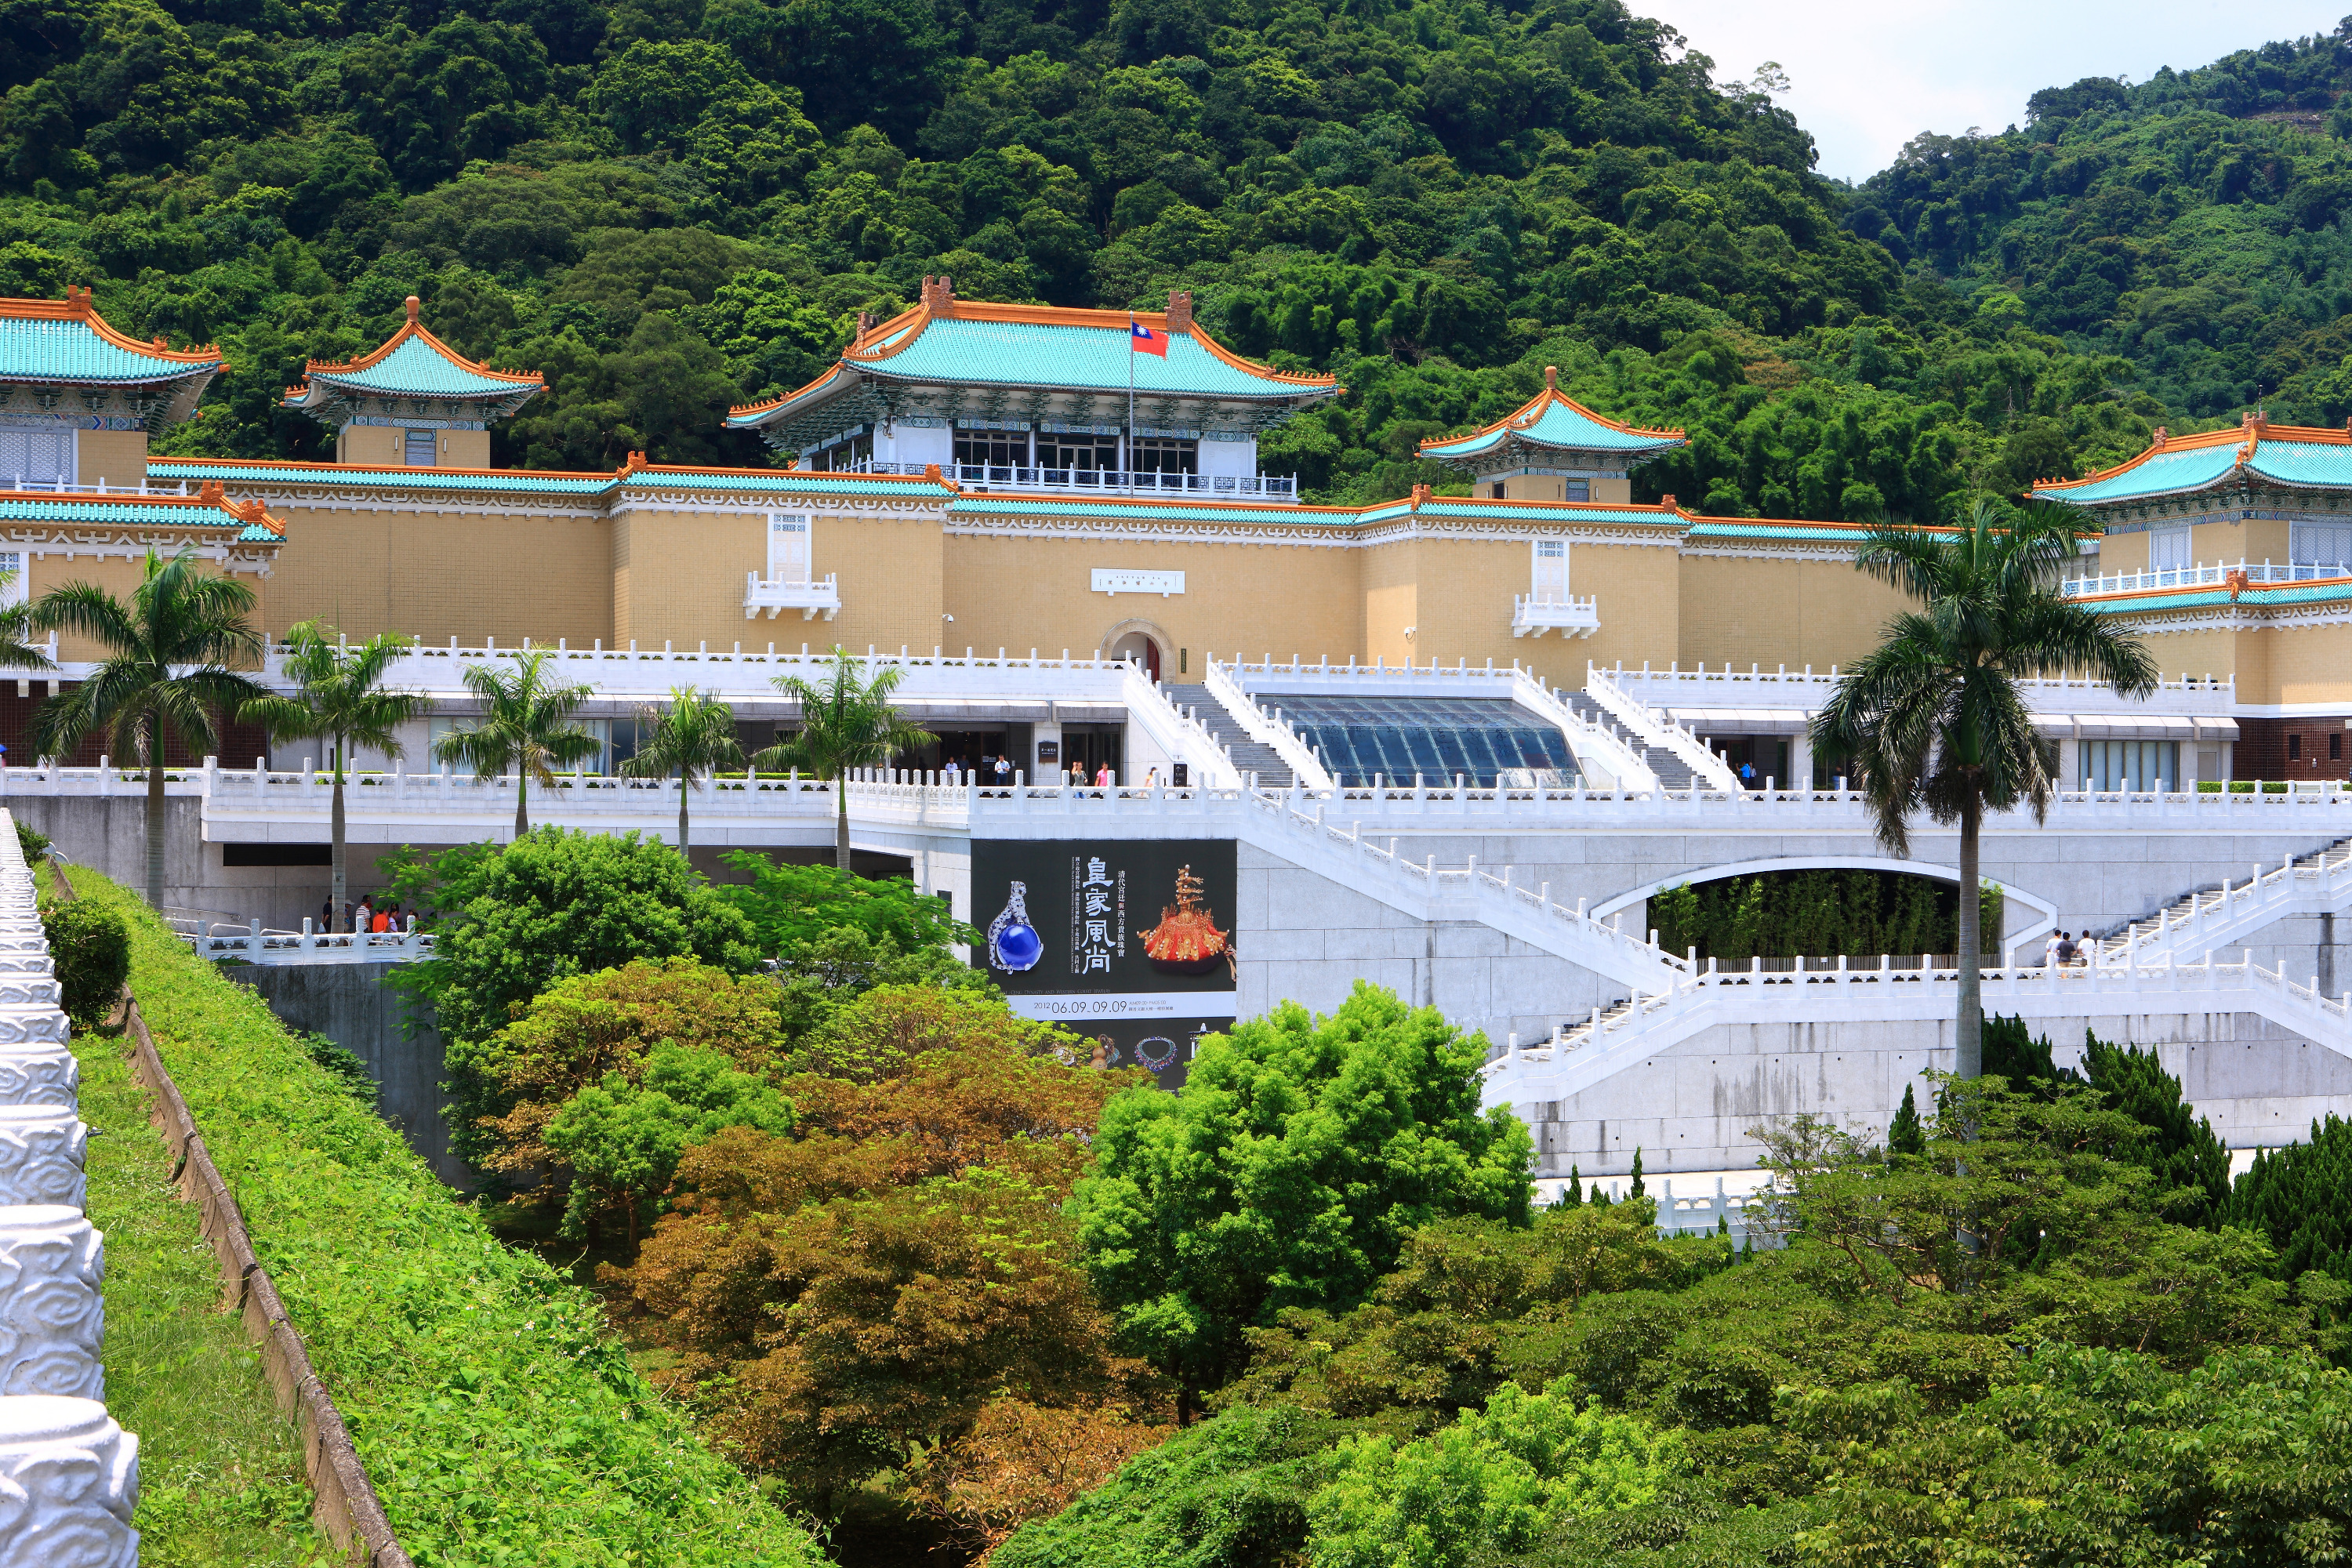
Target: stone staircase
[
  {"x": 2134, "y": 938},
  {"x": 1672, "y": 771},
  {"x": 1252, "y": 757}
]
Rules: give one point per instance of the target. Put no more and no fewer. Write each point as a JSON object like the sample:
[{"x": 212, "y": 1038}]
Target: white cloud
[{"x": 1866, "y": 77}]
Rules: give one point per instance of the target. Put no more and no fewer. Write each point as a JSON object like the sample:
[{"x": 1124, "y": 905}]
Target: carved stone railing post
[
  {"x": 68, "y": 1480},
  {"x": 52, "y": 1320}
]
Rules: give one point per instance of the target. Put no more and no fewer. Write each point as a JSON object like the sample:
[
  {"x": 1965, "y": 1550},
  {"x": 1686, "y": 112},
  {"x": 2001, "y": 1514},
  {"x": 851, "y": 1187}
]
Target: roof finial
[
  {"x": 2163, "y": 435},
  {"x": 938, "y": 295},
  {"x": 1180, "y": 310},
  {"x": 1551, "y": 378},
  {"x": 1667, "y": 500},
  {"x": 78, "y": 299},
  {"x": 1419, "y": 494},
  {"x": 412, "y": 303}
]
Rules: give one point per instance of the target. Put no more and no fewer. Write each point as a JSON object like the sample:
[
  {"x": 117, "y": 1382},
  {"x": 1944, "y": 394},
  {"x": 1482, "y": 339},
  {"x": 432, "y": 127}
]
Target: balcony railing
[
  {"x": 773, "y": 594},
  {"x": 1103, "y": 482},
  {"x": 2215, "y": 577},
  {"x": 1531, "y": 617}
]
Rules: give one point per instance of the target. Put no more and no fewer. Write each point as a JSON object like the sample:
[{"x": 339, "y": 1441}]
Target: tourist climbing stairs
[{"x": 2214, "y": 918}]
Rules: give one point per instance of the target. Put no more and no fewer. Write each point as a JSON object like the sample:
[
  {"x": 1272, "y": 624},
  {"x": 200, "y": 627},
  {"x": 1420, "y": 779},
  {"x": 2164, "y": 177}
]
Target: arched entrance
[{"x": 1140, "y": 641}]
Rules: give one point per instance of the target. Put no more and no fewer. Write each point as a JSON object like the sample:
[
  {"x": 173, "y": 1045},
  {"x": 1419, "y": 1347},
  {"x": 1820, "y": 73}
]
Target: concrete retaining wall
[
  {"x": 1688, "y": 1107},
  {"x": 352, "y": 1005}
]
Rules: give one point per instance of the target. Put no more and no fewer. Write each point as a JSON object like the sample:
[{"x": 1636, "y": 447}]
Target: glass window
[
  {"x": 417, "y": 448},
  {"x": 1098, "y": 454},
  {"x": 2320, "y": 544},
  {"x": 13, "y": 587},
  {"x": 2131, "y": 764},
  {"x": 1551, "y": 571},
  {"x": 2168, "y": 549},
  {"x": 1166, "y": 455},
  {"x": 1580, "y": 489},
  {"x": 788, "y": 548},
  {"x": 991, "y": 449}
]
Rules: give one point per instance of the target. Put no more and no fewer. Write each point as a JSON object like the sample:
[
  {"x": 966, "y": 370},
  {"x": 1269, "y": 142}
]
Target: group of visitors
[
  {"x": 996, "y": 770},
  {"x": 1103, "y": 778},
  {"x": 366, "y": 918},
  {"x": 2062, "y": 948}
]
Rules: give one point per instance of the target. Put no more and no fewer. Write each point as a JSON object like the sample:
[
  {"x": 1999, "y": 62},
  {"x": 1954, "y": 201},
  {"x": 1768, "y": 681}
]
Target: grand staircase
[
  {"x": 2212, "y": 916},
  {"x": 1672, "y": 771},
  {"x": 1250, "y": 756}
]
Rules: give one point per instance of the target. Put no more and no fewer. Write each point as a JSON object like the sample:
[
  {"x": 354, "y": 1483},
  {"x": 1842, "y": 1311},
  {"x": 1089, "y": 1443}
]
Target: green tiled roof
[
  {"x": 232, "y": 472},
  {"x": 1562, "y": 425},
  {"x": 1204, "y": 513},
  {"x": 2316, "y": 464},
  {"x": 2252, "y": 597},
  {"x": 127, "y": 513},
  {"x": 1095, "y": 359},
  {"x": 2164, "y": 473},
  {"x": 1782, "y": 533},
  {"x": 1521, "y": 511},
  {"x": 798, "y": 482},
  {"x": 417, "y": 369},
  {"x": 754, "y": 414},
  {"x": 64, "y": 349}
]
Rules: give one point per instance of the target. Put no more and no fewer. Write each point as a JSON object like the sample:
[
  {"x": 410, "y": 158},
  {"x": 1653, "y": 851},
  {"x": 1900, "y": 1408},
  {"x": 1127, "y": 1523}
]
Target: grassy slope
[
  {"x": 500, "y": 1424},
  {"x": 220, "y": 1472}
]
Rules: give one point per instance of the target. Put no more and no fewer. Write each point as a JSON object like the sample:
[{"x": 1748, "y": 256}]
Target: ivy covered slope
[
  {"x": 670, "y": 204},
  {"x": 496, "y": 1422}
]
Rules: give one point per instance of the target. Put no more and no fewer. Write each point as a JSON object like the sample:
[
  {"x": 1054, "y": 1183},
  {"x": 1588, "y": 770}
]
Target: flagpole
[{"x": 1127, "y": 448}]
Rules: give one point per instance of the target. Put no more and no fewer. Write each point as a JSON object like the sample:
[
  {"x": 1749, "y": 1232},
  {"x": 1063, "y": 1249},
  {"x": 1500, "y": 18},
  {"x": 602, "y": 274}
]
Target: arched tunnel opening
[{"x": 1818, "y": 913}]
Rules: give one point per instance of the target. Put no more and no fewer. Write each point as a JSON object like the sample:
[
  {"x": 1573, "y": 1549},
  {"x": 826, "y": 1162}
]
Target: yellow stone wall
[
  {"x": 1019, "y": 592},
  {"x": 121, "y": 576},
  {"x": 1773, "y": 612},
  {"x": 386, "y": 446},
  {"x": 1391, "y": 601},
  {"x": 679, "y": 577},
  {"x": 433, "y": 574},
  {"x": 117, "y": 457}
]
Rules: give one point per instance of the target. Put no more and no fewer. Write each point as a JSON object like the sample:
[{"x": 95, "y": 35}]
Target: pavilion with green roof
[
  {"x": 1036, "y": 397},
  {"x": 1552, "y": 448},
  {"x": 78, "y": 399},
  {"x": 414, "y": 401}
]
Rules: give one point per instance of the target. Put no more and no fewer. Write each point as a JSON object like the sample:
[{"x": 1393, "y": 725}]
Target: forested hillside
[{"x": 667, "y": 205}]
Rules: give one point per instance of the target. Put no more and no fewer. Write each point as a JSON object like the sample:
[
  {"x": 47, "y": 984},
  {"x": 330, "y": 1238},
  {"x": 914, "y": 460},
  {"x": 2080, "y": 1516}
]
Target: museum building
[{"x": 982, "y": 475}]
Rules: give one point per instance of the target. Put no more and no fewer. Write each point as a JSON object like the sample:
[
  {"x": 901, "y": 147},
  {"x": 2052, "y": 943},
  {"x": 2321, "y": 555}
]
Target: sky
[{"x": 1866, "y": 76}]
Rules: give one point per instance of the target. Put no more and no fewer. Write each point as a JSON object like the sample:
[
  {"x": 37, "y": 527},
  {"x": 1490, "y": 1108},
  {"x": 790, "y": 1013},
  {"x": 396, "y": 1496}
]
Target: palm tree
[
  {"x": 17, "y": 649},
  {"x": 526, "y": 728},
  {"x": 339, "y": 696},
  {"x": 165, "y": 669},
  {"x": 691, "y": 738},
  {"x": 1933, "y": 718},
  {"x": 846, "y": 723}
]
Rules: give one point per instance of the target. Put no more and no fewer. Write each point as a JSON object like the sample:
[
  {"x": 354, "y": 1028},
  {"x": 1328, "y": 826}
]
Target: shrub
[
  {"x": 581, "y": 1029},
  {"x": 624, "y": 1139},
  {"x": 791, "y": 906},
  {"x": 2209, "y": 786},
  {"x": 91, "y": 949},
  {"x": 1286, "y": 1171},
  {"x": 1492, "y": 1482},
  {"x": 35, "y": 844}
]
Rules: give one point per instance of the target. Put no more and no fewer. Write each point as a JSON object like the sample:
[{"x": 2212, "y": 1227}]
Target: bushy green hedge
[
  {"x": 91, "y": 949},
  {"x": 500, "y": 1425}
]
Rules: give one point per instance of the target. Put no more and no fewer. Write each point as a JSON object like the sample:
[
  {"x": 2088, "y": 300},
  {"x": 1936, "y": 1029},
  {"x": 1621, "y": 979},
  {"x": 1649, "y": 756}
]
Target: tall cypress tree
[
  {"x": 1905, "y": 1135},
  {"x": 2301, "y": 1198},
  {"x": 2191, "y": 1167}
]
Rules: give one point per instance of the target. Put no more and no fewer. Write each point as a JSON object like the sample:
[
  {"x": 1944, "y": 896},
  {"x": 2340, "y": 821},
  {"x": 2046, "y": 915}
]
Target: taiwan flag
[{"x": 1143, "y": 340}]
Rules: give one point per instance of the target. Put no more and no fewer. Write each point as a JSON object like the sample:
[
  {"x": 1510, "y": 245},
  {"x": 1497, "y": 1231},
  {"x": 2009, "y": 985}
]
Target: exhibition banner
[{"x": 1127, "y": 944}]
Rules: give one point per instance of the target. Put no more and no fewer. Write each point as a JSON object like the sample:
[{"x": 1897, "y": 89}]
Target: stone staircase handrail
[
  {"x": 1656, "y": 729},
  {"x": 1260, "y": 726}
]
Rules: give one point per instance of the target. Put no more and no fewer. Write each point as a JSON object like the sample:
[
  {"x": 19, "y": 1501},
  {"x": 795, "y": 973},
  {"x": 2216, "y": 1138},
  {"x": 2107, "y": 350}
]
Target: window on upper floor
[
  {"x": 1577, "y": 489},
  {"x": 13, "y": 587},
  {"x": 1550, "y": 572},
  {"x": 416, "y": 448},
  {"x": 1087, "y": 453},
  {"x": 788, "y": 548},
  {"x": 1167, "y": 455},
  {"x": 991, "y": 449},
  {"x": 2319, "y": 544},
  {"x": 2168, "y": 549}
]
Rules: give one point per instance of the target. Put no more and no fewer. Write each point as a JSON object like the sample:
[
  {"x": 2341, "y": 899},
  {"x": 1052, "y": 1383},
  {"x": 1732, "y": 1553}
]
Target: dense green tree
[
  {"x": 553, "y": 904},
  {"x": 1285, "y": 1174},
  {"x": 525, "y": 728},
  {"x": 690, "y": 739}
]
